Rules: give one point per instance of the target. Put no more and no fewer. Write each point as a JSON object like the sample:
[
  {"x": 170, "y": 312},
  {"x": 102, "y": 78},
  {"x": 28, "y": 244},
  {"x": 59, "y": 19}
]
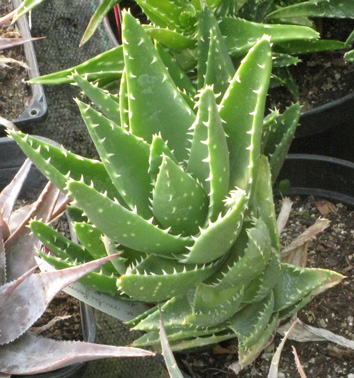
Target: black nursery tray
[{"x": 37, "y": 107}]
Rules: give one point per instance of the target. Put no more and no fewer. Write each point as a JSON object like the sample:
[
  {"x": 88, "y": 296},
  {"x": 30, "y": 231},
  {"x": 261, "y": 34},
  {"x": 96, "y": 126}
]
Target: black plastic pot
[
  {"x": 320, "y": 176},
  {"x": 37, "y": 107},
  {"x": 327, "y": 130},
  {"x": 11, "y": 159}
]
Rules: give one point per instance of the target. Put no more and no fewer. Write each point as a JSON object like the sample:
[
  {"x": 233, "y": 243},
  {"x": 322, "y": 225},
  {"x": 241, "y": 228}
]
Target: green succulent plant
[
  {"x": 25, "y": 294},
  {"x": 183, "y": 190},
  {"x": 179, "y": 26}
]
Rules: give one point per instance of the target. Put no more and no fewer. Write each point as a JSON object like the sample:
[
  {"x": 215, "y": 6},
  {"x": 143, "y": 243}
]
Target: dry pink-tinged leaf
[
  {"x": 304, "y": 332},
  {"x": 22, "y": 244},
  {"x": 6, "y": 43},
  {"x": 284, "y": 214},
  {"x": 2, "y": 257},
  {"x": 274, "y": 366},
  {"x": 8, "y": 17},
  {"x": 31, "y": 354},
  {"x": 24, "y": 300},
  {"x": 10, "y": 193},
  {"x": 296, "y": 252},
  {"x": 298, "y": 363},
  {"x": 325, "y": 207},
  {"x": 167, "y": 353}
]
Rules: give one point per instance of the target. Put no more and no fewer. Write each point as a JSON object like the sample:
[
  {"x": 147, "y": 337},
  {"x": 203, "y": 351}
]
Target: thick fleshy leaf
[
  {"x": 58, "y": 244},
  {"x": 21, "y": 246},
  {"x": 124, "y": 102},
  {"x": 106, "y": 102},
  {"x": 32, "y": 354},
  {"x": 241, "y": 35},
  {"x": 310, "y": 46},
  {"x": 107, "y": 65},
  {"x": 175, "y": 334},
  {"x": 92, "y": 239},
  {"x": 213, "y": 307},
  {"x": 180, "y": 77},
  {"x": 178, "y": 201},
  {"x": 168, "y": 13},
  {"x": 124, "y": 226},
  {"x": 24, "y": 300},
  {"x": 99, "y": 280},
  {"x": 349, "y": 56},
  {"x": 203, "y": 341},
  {"x": 95, "y": 21},
  {"x": 155, "y": 104},
  {"x": 318, "y": 8},
  {"x": 247, "y": 355},
  {"x": 296, "y": 283},
  {"x": 117, "y": 147},
  {"x": 281, "y": 137},
  {"x": 216, "y": 239},
  {"x": 158, "y": 149},
  {"x": 252, "y": 248},
  {"x": 174, "y": 312},
  {"x": 244, "y": 119},
  {"x": 25, "y": 7},
  {"x": 170, "y": 38},
  {"x": 215, "y": 66},
  {"x": 58, "y": 165},
  {"x": 265, "y": 282},
  {"x": 265, "y": 201},
  {"x": 250, "y": 322},
  {"x": 209, "y": 158},
  {"x": 157, "y": 279}
]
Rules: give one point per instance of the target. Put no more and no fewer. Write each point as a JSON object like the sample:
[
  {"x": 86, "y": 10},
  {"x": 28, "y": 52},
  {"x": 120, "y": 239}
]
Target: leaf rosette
[{"x": 183, "y": 190}]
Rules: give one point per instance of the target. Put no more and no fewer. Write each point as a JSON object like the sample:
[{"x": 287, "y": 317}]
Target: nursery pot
[
  {"x": 37, "y": 107},
  {"x": 12, "y": 159},
  {"x": 327, "y": 130},
  {"x": 321, "y": 176}
]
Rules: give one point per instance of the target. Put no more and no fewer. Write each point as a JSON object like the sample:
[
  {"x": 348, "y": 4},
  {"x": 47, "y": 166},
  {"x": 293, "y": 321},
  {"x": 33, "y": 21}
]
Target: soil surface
[
  {"x": 332, "y": 310},
  {"x": 15, "y": 94},
  {"x": 61, "y": 320},
  {"x": 320, "y": 77}
]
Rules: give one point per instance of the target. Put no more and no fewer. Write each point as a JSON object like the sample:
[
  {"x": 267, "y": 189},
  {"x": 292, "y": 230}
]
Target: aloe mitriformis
[{"x": 185, "y": 194}]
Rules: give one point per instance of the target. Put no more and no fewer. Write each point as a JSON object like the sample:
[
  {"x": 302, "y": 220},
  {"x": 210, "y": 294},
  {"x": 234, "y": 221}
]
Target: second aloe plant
[{"x": 185, "y": 194}]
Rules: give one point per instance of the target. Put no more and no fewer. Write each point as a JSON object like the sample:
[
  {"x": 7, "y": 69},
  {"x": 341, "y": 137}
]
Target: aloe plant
[
  {"x": 178, "y": 25},
  {"x": 25, "y": 294},
  {"x": 184, "y": 191}
]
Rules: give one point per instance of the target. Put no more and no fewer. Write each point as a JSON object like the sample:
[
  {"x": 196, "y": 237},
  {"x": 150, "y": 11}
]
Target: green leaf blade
[
  {"x": 178, "y": 200},
  {"x": 216, "y": 239},
  {"x": 242, "y": 109},
  {"x": 122, "y": 225},
  {"x": 115, "y": 146},
  {"x": 155, "y": 104}
]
